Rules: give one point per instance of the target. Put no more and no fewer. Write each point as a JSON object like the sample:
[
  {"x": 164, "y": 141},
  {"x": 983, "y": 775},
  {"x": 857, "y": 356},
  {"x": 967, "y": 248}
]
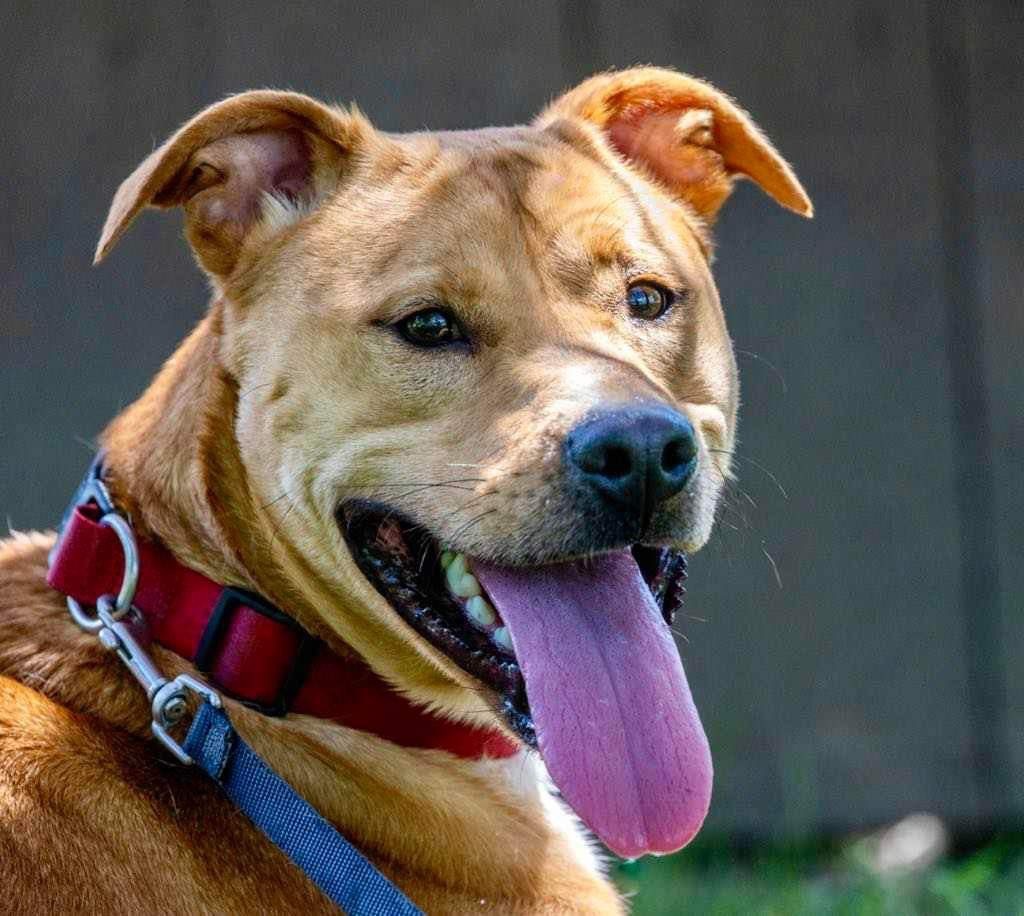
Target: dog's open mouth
[
  {"x": 436, "y": 592},
  {"x": 581, "y": 659}
]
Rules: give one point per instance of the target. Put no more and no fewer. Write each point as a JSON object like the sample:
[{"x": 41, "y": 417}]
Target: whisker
[
  {"x": 423, "y": 556},
  {"x": 275, "y": 500},
  {"x": 477, "y": 464},
  {"x": 769, "y": 364},
  {"x": 468, "y": 504},
  {"x": 756, "y": 464},
  {"x": 435, "y": 483},
  {"x": 278, "y": 523},
  {"x": 427, "y": 486},
  {"x": 750, "y": 499},
  {"x": 248, "y": 391},
  {"x": 734, "y": 489},
  {"x": 775, "y": 567},
  {"x": 471, "y": 503},
  {"x": 733, "y": 485},
  {"x": 473, "y": 521}
]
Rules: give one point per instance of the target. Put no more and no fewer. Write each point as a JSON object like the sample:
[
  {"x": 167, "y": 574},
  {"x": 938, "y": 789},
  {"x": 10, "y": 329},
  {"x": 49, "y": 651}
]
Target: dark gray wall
[{"x": 880, "y": 344}]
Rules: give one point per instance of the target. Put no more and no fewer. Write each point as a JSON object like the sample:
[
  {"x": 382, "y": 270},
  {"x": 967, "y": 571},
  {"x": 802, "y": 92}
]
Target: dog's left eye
[
  {"x": 433, "y": 327},
  {"x": 648, "y": 300}
]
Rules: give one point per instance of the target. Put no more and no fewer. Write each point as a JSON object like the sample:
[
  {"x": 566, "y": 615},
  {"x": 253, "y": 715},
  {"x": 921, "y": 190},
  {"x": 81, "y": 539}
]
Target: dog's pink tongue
[{"x": 615, "y": 721}]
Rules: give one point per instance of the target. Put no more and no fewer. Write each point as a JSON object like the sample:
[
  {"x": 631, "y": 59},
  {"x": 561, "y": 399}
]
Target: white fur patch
[
  {"x": 526, "y": 776},
  {"x": 278, "y": 212}
]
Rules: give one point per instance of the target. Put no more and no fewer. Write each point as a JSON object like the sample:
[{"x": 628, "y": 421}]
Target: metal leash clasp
[{"x": 168, "y": 698}]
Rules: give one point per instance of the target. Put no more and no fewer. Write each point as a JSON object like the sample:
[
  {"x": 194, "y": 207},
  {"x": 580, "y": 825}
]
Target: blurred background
[{"x": 853, "y": 634}]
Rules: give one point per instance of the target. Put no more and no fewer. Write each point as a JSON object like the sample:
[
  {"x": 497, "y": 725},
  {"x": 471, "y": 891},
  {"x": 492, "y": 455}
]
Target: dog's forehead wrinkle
[
  {"x": 512, "y": 188},
  {"x": 615, "y": 224},
  {"x": 427, "y": 215}
]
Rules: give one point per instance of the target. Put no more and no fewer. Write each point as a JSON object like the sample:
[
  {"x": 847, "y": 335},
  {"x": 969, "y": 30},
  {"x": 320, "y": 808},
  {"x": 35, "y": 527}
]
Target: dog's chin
[{"x": 432, "y": 588}]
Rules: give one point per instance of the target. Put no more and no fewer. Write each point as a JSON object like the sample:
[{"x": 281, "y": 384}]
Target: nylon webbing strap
[{"x": 295, "y": 827}]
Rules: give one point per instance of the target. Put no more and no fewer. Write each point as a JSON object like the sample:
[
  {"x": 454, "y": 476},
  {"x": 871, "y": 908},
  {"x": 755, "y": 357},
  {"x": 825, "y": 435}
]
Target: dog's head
[{"x": 485, "y": 393}]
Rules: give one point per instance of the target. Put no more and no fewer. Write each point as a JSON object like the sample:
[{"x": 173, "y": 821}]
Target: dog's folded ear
[
  {"x": 255, "y": 159},
  {"x": 682, "y": 132}
]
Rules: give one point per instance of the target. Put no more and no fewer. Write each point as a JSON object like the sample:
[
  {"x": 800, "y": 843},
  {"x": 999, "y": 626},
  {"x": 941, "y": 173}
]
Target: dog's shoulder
[
  {"x": 92, "y": 818},
  {"x": 40, "y": 647},
  {"x": 24, "y": 593},
  {"x": 92, "y": 821}
]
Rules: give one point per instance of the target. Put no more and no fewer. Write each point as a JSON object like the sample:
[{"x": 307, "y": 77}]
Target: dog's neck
[{"x": 173, "y": 466}]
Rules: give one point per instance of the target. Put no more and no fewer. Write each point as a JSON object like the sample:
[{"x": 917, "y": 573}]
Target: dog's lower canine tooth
[{"x": 479, "y": 608}]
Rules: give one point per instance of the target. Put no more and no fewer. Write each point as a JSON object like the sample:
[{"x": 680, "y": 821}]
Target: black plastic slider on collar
[{"x": 230, "y": 600}]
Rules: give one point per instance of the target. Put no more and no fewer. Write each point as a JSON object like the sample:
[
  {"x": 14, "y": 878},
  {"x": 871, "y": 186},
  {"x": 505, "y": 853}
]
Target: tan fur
[{"x": 291, "y": 395}]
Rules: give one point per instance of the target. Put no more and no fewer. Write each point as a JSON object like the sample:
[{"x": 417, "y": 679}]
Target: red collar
[{"x": 249, "y": 649}]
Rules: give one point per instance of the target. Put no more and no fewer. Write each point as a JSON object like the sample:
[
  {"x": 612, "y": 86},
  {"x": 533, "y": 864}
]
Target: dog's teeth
[
  {"x": 460, "y": 582},
  {"x": 502, "y": 638},
  {"x": 455, "y": 569},
  {"x": 446, "y": 558},
  {"x": 479, "y": 608},
  {"x": 467, "y": 587}
]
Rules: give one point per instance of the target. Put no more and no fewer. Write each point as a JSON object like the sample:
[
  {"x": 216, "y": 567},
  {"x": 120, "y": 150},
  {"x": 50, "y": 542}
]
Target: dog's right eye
[{"x": 432, "y": 327}]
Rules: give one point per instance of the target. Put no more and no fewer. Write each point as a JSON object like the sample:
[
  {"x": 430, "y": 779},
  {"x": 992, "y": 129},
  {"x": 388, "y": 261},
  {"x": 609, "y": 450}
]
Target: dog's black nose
[{"x": 633, "y": 458}]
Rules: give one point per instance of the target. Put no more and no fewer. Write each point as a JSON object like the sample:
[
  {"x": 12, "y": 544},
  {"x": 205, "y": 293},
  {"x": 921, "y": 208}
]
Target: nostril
[
  {"x": 612, "y": 461},
  {"x": 616, "y": 462},
  {"x": 677, "y": 454}
]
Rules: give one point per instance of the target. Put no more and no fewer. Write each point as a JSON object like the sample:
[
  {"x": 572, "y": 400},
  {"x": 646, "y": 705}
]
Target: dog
[{"x": 458, "y": 403}]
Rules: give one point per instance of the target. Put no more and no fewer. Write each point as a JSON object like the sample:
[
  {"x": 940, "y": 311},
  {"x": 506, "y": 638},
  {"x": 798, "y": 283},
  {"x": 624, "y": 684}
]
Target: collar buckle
[{"x": 230, "y": 601}]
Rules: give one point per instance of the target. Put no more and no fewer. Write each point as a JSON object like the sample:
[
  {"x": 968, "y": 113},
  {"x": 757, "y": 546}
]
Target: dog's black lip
[
  {"x": 417, "y": 594},
  {"x": 414, "y": 587}
]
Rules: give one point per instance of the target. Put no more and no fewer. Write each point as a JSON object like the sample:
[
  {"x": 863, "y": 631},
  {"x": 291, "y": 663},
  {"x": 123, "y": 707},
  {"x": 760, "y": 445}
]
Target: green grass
[{"x": 820, "y": 878}]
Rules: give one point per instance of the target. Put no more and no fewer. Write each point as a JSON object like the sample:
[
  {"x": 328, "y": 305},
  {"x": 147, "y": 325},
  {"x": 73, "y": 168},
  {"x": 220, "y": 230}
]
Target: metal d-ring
[
  {"x": 79, "y": 616},
  {"x": 168, "y": 698},
  {"x": 129, "y": 579}
]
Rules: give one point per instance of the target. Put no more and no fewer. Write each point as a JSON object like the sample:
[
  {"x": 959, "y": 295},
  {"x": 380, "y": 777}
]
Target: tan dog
[{"x": 504, "y": 344}]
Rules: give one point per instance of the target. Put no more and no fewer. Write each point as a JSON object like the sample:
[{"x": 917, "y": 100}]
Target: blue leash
[{"x": 332, "y": 863}]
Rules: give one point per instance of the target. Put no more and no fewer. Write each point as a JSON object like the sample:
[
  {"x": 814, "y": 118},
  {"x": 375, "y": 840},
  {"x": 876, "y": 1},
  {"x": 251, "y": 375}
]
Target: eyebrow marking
[{"x": 578, "y": 261}]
